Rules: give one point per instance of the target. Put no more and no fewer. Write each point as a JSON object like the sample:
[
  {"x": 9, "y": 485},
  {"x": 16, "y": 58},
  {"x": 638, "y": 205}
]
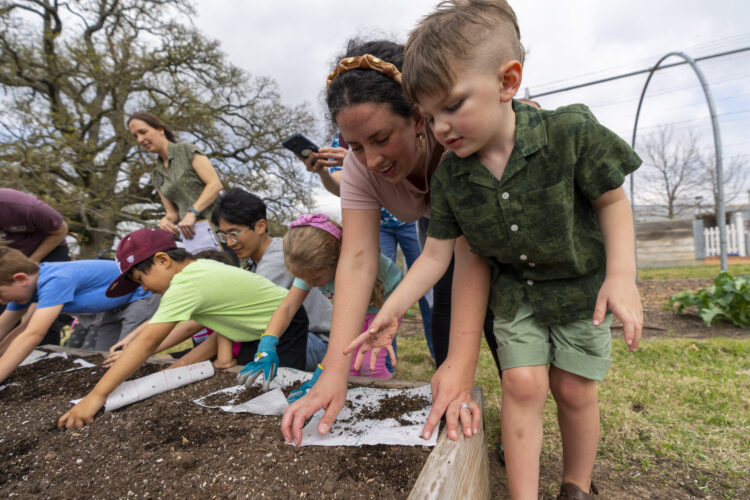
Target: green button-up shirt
[
  {"x": 180, "y": 183},
  {"x": 536, "y": 226}
]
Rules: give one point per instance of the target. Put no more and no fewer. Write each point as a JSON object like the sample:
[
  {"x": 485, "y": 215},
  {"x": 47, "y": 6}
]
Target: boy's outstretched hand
[
  {"x": 620, "y": 295},
  {"x": 379, "y": 336},
  {"x": 82, "y": 413}
]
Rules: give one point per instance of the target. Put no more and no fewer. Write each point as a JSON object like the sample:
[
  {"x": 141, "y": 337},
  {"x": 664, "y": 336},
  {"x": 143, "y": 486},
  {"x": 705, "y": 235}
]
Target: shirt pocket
[
  {"x": 547, "y": 216},
  {"x": 481, "y": 227}
]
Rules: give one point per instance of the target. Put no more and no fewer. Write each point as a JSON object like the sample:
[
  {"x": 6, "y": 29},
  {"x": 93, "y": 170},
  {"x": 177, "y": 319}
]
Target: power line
[
  {"x": 632, "y": 73},
  {"x": 710, "y": 46}
]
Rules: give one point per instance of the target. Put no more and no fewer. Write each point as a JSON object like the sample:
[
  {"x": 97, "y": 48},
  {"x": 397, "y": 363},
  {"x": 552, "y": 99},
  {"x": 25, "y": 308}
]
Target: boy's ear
[
  {"x": 162, "y": 258},
  {"x": 418, "y": 120},
  {"x": 509, "y": 77},
  {"x": 21, "y": 278},
  {"x": 261, "y": 226}
]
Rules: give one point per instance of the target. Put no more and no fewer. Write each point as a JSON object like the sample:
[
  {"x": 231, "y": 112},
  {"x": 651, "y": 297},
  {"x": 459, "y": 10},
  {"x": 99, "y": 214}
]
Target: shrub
[{"x": 727, "y": 300}]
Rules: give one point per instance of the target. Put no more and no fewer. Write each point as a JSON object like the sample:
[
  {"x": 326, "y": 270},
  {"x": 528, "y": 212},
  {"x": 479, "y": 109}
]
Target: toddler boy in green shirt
[
  {"x": 224, "y": 298},
  {"x": 538, "y": 195}
]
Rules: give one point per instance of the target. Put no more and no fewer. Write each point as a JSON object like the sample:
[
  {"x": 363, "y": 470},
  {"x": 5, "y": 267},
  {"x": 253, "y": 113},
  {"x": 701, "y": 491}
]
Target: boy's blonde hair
[
  {"x": 309, "y": 247},
  {"x": 11, "y": 262},
  {"x": 458, "y": 30}
]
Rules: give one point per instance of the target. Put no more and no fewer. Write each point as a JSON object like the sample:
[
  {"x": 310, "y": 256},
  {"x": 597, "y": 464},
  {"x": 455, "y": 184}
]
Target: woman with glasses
[{"x": 187, "y": 183}]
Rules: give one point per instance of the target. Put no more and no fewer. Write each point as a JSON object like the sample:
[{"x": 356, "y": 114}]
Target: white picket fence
[{"x": 735, "y": 238}]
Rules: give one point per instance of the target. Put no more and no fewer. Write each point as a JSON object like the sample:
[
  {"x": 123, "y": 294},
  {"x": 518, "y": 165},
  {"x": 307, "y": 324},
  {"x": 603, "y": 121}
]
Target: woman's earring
[{"x": 420, "y": 137}]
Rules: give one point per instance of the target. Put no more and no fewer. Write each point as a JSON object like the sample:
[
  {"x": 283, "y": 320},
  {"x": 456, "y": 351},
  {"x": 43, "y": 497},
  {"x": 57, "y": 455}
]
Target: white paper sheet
[
  {"x": 40, "y": 355},
  {"x": 142, "y": 388},
  {"x": 204, "y": 239},
  {"x": 343, "y": 433},
  {"x": 370, "y": 432}
]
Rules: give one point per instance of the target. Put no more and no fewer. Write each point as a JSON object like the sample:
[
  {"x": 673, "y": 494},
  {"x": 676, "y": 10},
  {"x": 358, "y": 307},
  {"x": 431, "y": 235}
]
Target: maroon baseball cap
[{"x": 134, "y": 249}]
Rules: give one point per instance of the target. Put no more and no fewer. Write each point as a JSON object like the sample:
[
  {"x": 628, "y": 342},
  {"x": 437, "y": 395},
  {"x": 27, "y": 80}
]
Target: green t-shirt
[
  {"x": 536, "y": 227},
  {"x": 180, "y": 183},
  {"x": 229, "y": 300}
]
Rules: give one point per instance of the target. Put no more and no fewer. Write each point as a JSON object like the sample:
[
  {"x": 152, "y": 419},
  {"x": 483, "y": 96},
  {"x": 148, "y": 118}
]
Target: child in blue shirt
[{"x": 47, "y": 289}]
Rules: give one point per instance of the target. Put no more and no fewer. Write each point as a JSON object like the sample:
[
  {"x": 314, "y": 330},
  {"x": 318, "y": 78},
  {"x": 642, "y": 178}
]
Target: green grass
[
  {"x": 660, "y": 273},
  {"x": 674, "y": 408}
]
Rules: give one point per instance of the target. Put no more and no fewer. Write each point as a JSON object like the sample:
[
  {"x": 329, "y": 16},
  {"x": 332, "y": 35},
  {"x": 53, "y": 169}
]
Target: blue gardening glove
[
  {"x": 305, "y": 388},
  {"x": 266, "y": 361}
]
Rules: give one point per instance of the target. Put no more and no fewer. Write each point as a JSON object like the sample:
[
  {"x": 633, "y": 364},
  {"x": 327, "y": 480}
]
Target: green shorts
[{"x": 577, "y": 347}]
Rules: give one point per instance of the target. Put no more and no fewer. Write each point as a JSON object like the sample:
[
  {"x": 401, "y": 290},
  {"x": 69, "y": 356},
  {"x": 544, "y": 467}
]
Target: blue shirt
[
  {"x": 388, "y": 272},
  {"x": 79, "y": 285}
]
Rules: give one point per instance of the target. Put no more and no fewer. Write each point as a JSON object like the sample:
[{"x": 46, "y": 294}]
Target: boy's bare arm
[
  {"x": 619, "y": 292},
  {"x": 8, "y": 321},
  {"x": 116, "y": 350},
  {"x": 423, "y": 274},
  {"x": 429, "y": 267},
  {"x": 137, "y": 352},
  {"x": 203, "y": 351},
  {"x": 28, "y": 339},
  {"x": 180, "y": 333}
]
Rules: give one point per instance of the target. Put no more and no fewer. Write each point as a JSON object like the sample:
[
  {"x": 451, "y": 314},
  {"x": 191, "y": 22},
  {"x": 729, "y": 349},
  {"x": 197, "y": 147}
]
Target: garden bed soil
[{"x": 168, "y": 446}]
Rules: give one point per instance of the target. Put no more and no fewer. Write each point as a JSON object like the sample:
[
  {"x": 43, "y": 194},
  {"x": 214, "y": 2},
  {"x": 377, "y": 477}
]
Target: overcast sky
[{"x": 568, "y": 42}]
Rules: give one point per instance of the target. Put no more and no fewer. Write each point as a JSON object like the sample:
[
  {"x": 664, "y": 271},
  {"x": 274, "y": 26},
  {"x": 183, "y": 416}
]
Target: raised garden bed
[{"x": 168, "y": 446}]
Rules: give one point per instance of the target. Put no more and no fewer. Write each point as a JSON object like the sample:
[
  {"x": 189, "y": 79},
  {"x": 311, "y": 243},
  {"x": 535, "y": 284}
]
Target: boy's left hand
[
  {"x": 620, "y": 295},
  {"x": 379, "y": 336},
  {"x": 82, "y": 413}
]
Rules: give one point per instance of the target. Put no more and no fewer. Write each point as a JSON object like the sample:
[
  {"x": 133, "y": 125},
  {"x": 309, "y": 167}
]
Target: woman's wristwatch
[{"x": 191, "y": 208}]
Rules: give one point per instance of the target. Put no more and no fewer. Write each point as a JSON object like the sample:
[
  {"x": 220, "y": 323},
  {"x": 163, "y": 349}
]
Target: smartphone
[{"x": 300, "y": 145}]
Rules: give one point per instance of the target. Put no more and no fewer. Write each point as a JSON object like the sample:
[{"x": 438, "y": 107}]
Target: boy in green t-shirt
[
  {"x": 538, "y": 194},
  {"x": 224, "y": 298}
]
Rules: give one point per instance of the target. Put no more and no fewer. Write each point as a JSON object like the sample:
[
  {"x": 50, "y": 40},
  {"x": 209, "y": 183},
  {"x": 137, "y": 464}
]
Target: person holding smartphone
[
  {"x": 187, "y": 183},
  {"x": 321, "y": 161}
]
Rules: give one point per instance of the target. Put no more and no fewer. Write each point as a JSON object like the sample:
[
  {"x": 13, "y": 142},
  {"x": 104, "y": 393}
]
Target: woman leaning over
[
  {"x": 392, "y": 157},
  {"x": 187, "y": 183}
]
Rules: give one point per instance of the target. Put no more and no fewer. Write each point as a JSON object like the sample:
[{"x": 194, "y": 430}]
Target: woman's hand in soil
[
  {"x": 450, "y": 389},
  {"x": 620, "y": 295},
  {"x": 379, "y": 336},
  {"x": 82, "y": 413},
  {"x": 329, "y": 393}
]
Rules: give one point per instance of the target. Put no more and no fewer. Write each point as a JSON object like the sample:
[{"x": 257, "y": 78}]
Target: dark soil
[
  {"x": 168, "y": 446},
  {"x": 395, "y": 405}
]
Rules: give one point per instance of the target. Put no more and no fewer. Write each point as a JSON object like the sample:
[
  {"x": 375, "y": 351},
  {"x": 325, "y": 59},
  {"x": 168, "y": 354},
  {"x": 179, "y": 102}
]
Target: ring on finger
[{"x": 467, "y": 406}]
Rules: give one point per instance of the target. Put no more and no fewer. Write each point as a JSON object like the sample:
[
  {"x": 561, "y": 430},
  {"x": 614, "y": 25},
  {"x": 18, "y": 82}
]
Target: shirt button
[
  {"x": 530, "y": 282},
  {"x": 523, "y": 257},
  {"x": 506, "y": 195},
  {"x": 531, "y": 264},
  {"x": 514, "y": 228}
]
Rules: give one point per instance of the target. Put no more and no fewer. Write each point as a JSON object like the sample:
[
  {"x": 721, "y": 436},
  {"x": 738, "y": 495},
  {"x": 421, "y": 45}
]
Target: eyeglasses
[{"x": 231, "y": 236}]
